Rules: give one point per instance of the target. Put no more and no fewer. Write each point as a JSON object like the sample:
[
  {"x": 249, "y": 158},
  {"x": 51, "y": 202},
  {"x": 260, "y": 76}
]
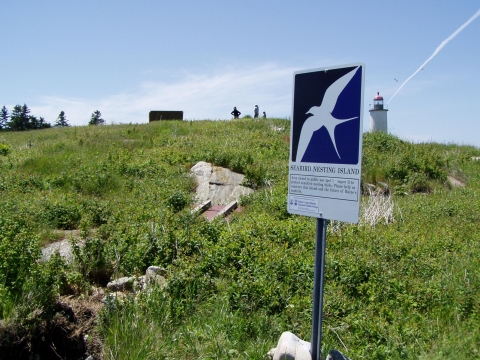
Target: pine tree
[
  {"x": 61, "y": 120},
  {"x": 42, "y": 124},
  {"x": 3, "y": 118},
  {"x": 19, "y": 118},
  {"x": 96, "y": 118}
]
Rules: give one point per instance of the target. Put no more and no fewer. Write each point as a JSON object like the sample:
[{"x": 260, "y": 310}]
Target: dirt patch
[{"x": 70, "y": 334}]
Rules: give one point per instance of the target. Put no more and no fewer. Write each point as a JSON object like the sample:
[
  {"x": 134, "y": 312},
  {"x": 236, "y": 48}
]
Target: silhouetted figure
[
  {"x": 255, "y": 112},
  {"x": 235, "y": 113},
  {"x": 264, "y": 115}
]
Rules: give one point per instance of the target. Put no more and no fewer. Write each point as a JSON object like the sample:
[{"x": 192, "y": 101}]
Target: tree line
[{"x": 20, "y": 119}]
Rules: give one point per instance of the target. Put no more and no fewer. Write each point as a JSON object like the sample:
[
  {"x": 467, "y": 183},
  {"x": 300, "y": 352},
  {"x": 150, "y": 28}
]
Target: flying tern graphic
[
  {"x": 322, "y": 115},
  {"x": 395, "y": 79}
]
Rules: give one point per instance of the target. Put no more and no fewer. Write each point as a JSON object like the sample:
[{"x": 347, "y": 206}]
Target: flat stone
[
  {"x": 210, "y": 214},
  {"x": 223, "y": 176},
  {"x": 122, "y": 284},
  {"x": 63, "y": 247}
]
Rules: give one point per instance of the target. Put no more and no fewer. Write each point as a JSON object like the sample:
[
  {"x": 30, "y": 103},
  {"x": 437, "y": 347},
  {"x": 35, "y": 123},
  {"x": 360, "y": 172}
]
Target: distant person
[
  {"x": 235, "y": 113},
  {"x": 255, "y": 112},
  {"x": 264, "y": 115}
]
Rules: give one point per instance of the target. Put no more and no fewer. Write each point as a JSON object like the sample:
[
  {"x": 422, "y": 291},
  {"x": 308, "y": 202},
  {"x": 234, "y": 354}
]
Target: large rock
[
  {"x": 290, "y": 347},
  {"x": 122, "y": 284},
  {"x": 218, "y": 184},
  {"x": 63, "y": 247},
  {"x": 153, "y": 276}
]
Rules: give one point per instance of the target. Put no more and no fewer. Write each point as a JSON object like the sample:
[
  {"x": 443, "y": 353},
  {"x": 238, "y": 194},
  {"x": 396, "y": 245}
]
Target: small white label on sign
[{"x": 297, "y": 203}]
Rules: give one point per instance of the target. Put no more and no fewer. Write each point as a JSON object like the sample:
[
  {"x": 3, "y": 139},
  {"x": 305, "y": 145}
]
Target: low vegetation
[{"x": 404, "y": 283}]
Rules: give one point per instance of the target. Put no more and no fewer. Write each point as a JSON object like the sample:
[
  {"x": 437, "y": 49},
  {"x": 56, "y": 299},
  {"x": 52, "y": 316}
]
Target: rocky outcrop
[
  {"x": 219, "y": 185},
  {"x": 121, "y": 284},
  {"x": 154, "y": 276}
]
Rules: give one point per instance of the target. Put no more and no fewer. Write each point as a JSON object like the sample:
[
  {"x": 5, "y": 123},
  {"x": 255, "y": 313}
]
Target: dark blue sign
[{"x": 326, "y": 116}]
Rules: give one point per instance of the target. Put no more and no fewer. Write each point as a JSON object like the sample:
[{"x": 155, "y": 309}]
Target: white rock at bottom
[{"x": 290, "y": 347}]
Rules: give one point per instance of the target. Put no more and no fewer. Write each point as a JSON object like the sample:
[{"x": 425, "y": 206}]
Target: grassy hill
[{"x": 400, "y": 285}]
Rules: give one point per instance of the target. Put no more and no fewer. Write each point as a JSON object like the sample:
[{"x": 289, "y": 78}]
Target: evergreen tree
[
  {"x": 61, "y": 120},
  {"x": 3, "y": 118},
  {"x": 19, "y": 118},
  {"x": 96, "y": 118},
  {"x": 42, "y": 124}
]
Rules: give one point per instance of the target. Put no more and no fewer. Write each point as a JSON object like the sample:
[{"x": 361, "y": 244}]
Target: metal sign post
[
  {"x": 326, "y": 160},
  {"x": 319, "y": 276}
]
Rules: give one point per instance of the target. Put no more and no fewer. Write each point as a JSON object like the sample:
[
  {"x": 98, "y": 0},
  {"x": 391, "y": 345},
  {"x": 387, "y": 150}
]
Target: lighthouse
[{"x": 378, "y": 115}]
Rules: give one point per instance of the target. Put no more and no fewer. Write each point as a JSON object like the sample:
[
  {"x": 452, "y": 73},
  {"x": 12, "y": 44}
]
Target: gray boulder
[
  {"x": 154, "y": 276},
  {"x": 220, "y": 185},
  {"x": 122, "y": 284}
]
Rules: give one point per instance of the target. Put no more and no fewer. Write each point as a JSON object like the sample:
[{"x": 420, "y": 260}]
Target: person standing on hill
[
  {"x": 235, "y": 113},
  {"x": 264, "y": 115},
  {"x": 255, "y": 112}
]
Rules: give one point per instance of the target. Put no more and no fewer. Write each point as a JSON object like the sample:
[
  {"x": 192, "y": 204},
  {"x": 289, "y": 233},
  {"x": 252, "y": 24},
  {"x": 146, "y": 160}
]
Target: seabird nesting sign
[{"x": 326, "y": 142}]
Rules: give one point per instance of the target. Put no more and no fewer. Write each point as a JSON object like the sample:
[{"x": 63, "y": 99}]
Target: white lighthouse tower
[{"x": 378, "y": 115}]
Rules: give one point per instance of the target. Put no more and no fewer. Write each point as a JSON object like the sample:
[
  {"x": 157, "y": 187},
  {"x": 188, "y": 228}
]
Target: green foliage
[
  {"x": 40, "y": 290},
  {"x": 20, "y": 120},
  {"x": 90, "y": 261},
  {"x": 63, "y": 214},
  {"x": 96, "y": 118},
  {"x": 178, "y": 200},
  {"x": 3, "y": 118},
  {"x": 404, "y": 290},
  {"x": 408, "y": 168},
  {"x": 18, "y": 251},
  {"x": 62, "y": 119},
  {"x": 4, "y": 149}
]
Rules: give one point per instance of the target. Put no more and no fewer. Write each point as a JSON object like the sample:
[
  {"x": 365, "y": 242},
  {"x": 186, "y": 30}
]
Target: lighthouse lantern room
[{"x": 378, "y": 115}]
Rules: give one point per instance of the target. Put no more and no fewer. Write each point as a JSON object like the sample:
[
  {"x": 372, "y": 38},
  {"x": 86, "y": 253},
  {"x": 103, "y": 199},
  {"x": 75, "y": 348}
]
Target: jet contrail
[{"x": 437, "y": 50}]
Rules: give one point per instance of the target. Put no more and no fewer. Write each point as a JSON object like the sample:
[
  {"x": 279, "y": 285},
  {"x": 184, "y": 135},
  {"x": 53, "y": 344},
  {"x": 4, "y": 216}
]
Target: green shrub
[
  {"x": 95, "y": 212},
  {"x": 19, "y": 250},
  {"x": 90, "y": 260},
  {"x": 4, "y": 149},
  {"x": 178, "y": 200},
  {"x": 63, "y": 214}
]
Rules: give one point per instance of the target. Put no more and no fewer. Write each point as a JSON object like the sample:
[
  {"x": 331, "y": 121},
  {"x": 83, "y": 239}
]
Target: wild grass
[{"x": 403, "y": 283}]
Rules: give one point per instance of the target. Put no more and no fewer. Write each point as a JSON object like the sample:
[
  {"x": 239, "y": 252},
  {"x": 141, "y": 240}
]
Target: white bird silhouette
[{"x": 322, "y": 115}]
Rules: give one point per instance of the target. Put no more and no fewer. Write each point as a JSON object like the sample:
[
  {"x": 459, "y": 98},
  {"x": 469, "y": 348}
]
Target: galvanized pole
[{"x": 318, "y": 285}]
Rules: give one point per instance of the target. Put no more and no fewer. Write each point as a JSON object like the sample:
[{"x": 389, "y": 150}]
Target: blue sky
[{"x": 126, "y": 58}]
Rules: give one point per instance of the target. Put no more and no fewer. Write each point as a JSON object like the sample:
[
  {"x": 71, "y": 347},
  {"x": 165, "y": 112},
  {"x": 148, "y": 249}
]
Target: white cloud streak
[
  {"x": 207, "y": 96},
  {"x": 437, "y": 50}
]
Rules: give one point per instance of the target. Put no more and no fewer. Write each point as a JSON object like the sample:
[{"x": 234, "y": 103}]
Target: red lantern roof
[{"x": 378, "y": 97}]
